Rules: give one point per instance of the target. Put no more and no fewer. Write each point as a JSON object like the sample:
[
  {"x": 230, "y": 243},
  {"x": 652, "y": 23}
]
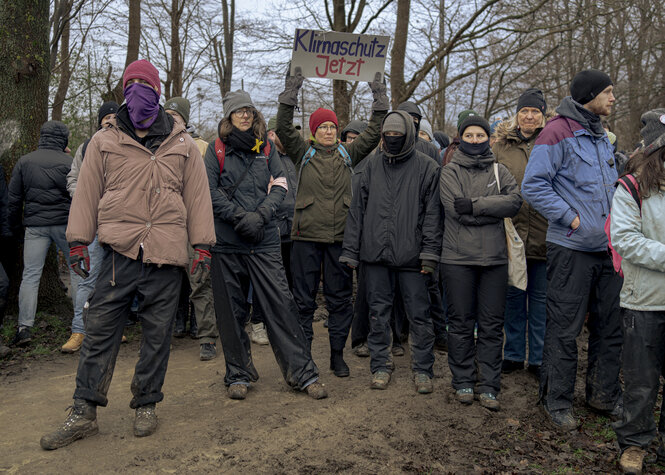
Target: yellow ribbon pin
[{"x": 257, "y": 147}]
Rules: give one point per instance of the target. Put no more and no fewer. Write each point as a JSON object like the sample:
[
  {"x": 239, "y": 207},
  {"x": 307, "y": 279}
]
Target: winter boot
[
  {"x": 337, "y": 363},
  {"x": 81, "y": 422},
  {"x": 632, "y": 460},
  {"x": 423, "y": 383},
  {"x": 208, "y": 352},
  {"x": 73, "y": 344},
  {"x": 145, "y": 421}
]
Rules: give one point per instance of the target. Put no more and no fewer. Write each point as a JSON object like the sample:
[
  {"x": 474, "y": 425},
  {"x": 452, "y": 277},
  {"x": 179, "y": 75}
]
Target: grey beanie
[
  {"x": 235, "y": 100},
  {"x": 179, "y": 105},
  {"x": 426, "y": 127},
  {"x": 653, "y": 130},
  {"x": 394, "y": 123}
]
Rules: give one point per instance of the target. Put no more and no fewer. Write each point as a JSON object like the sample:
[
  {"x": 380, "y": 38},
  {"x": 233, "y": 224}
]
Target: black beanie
[
  {"x": 107, "y": 108},
  {"x": 532, "y": 97},
  {"x": 474, "y": 119},
  {"x": 588, "y": 84}
]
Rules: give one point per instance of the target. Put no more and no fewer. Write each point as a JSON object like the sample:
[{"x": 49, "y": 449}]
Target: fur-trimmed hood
[{"x": 507, "y": 130}]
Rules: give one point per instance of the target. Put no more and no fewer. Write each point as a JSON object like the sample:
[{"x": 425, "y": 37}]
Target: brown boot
[
  {"x": 632, "y": 460},
  {"x": 73, "y": 344},
  {"x": 316, "y": 390}
]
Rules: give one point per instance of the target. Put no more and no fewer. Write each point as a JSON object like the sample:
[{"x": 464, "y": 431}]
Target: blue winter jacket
[{"x": 571, "y": 172}]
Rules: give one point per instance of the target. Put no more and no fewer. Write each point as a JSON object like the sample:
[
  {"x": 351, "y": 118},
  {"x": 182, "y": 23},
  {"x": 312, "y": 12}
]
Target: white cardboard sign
[{"x": 335, "y": 55}]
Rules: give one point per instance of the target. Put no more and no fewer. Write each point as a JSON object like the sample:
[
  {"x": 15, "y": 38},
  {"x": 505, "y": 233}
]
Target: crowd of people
[{"x": 262, "y": 217}]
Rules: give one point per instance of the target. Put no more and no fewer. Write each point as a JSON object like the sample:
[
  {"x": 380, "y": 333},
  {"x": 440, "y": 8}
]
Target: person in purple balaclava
[{"x": 144, "y": 192}]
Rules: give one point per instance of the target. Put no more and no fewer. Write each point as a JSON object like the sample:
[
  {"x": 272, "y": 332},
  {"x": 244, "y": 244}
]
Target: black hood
[
  {"x": 54, "y": 135},
  {"x": 410, "y": 138},
  {"x": 441, "y": 138},
  {"x": 411, "y": 108},
  {"x": 587, "y": 119},
  {"x": 355, "y": 126}
]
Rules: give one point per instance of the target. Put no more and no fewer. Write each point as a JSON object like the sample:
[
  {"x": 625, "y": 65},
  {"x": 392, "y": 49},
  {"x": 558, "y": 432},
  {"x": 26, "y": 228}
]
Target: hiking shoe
[
  {"x": 509, "y": 366},
  {"x": 145, "y": 421},
  {"x": 259, "y": 335},
  {"x": 423, "y": 384},
  {"x": 397, "y": 350},
  {"x": 237, "y": 391},
  {"x": 73, "y": 344},
  {"x": 465, "y": 395},
  {"x": 316, "y": 390},
  {"x": 208, "y": 352},
  {"x": 362, "y": 351},
  {"x": 632, "y": 460},
  {"x": 4, "y": 351},
  {"x": 23, "y": 337},
  {"x": 561, "y": 419},
  {"x": 338, "y": 365},
  {"x": 81, "y": 422},
  {"x": 489, "y": 401},
  {"x": 380, "y": 380},
  {"x": 441, "y": 343},
  {"x": 534, "y": 369}
]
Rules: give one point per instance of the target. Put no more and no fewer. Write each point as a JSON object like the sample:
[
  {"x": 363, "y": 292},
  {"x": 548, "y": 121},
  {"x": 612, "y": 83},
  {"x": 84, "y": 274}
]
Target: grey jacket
[{"x": 476, "y": 239}]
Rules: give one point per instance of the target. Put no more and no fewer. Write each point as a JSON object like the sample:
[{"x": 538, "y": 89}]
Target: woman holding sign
[{"x": 322, "y": 202}]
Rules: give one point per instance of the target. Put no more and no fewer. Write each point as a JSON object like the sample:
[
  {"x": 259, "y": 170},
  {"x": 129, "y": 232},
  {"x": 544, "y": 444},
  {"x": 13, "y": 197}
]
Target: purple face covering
[{"x": 142, "y": 104}]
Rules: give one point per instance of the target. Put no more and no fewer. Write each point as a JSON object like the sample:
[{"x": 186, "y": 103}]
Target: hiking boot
[
  {"x": 509, "y": 366},
  {"x": 4, "y": 351},
  {"x": 534, "y": 369},
  {"x": 362, "y": 351},
  {"x": 441, "y": 343},
  {"x": 259, "y": 335},
  {"x": 81, "y": 422},
  {"x": 208, "y": 352},
  {"x": 423, "y": 384},
  {"x": 23, "y": 337},
  {"x": 145, "y": 421},
  {"x": 397, "y": 350},
  {"x": 561, "y": 419},
  {"x": 237, "y": 391},
  {"x": 316, "y": 390},
  {"x": 489, "y": 401},
  {"x": 73, "y": 344},
  {"x": 380, "y": 380},
  {"x": 338, "y": 365},
  {"x": 632, "y": 460},
  {"x": 465, "y": 396}
]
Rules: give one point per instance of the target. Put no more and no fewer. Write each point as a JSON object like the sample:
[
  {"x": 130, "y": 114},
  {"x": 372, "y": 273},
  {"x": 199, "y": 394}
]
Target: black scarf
[{"x": 245, "y": 141}]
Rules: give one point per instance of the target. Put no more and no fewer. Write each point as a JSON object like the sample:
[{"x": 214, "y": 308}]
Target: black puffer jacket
[
  {"x": 478, "y": 238},
  {"x": 394, "y": 219},
  {"x": 250, "y": 195},
  {"x": 40, "y": 180}
]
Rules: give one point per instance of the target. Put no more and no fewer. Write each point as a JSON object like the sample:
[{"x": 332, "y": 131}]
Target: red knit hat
[
  {"x": 320, "y": 116},
  {"x": 142, "y": 69}
]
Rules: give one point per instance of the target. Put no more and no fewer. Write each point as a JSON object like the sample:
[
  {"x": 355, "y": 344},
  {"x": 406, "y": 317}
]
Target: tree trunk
[
  {"x": 173, "y": 86},
  {"x": 116, "y": 94},
  {"x": 65, "y": 73},
  {"x": 397, "y": 84},
  {"x": 24, "y": 53}
]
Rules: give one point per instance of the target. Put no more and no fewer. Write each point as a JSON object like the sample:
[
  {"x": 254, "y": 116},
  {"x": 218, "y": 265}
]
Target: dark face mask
[
  {"x": 475, "y": 148},
  {"x": 394, "y": 144}
]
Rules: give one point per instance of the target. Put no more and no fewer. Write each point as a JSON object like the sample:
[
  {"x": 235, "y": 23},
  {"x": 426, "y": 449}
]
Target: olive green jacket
[
  {"x": 323, "y": 196},
  {"x": 513, "y": 152}
]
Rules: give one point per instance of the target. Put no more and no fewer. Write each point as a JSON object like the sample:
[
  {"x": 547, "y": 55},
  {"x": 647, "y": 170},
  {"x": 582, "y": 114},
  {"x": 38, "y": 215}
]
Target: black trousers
[
  {"x": 382, "y": 283},
  {"x": 257, "y": 316},
  {"x": 643, "y": 354},
  {"x": 576, "y": 282},
  {"x": 306, "y": 261},
  {"x": 4, "y": 286},
  {"x": 476, "y": 294},
  {"x": 231, "y": 275},
  {"x": 158, "y": 289}
]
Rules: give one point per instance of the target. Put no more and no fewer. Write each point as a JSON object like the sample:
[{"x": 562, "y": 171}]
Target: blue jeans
[
  {"x": 87, "y": 285},
  {"x": 524, "y": 307},
  {"x": 36, "y": 244}
]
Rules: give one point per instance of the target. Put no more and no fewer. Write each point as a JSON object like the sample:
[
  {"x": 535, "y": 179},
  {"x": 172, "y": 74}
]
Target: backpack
[
  {"x": 630, "y": 183},
  {"x": 220, "y": 152}
]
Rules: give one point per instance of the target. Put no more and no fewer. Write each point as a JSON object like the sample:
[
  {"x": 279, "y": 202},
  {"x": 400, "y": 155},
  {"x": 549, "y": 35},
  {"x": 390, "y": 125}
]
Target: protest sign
[{"x": 334, "y": 55}]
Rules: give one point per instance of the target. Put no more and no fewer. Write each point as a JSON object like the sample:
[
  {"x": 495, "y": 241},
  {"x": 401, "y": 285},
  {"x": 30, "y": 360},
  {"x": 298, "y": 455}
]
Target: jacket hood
[
  {"x": 468, "y": 161},
  {"x": 411, "y": 108},
  {"x": 355, "y": 126},
  {"x": 54, "y": 135},
  {"x": 508, "y": 130},
  {"x": 409, "y": 142},
  {"x": 587, "y": 119}
]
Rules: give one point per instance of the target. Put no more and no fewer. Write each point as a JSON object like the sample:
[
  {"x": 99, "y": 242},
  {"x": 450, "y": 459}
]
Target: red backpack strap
[
  {"x": 220, "y": 151},
  {"x": 630, "y": 183}
]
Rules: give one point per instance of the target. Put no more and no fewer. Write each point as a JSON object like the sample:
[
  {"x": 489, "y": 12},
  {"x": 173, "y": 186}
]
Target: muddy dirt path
[{"x": 276, "y": 430}]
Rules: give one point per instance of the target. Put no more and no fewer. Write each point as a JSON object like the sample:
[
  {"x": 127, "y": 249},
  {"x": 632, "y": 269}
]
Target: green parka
[{"x": 323, "y": 197}]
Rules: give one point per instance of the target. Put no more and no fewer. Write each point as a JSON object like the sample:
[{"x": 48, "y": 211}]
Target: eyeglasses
[
  {"x": 327, "y": 128},
  {"x": 244, "y": 112}
]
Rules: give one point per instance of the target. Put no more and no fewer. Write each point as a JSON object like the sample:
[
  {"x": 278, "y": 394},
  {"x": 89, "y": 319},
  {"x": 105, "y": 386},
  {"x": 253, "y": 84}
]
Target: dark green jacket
[{"x": 324, "y": 190}]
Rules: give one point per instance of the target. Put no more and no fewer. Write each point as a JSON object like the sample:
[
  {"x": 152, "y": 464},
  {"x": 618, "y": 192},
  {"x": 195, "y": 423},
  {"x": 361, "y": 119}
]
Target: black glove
[
  {"x": 250, "y": 227},
  {"x": 379, "y": 91},
  {"x": 291, "y": 87},
  {"x": 265, "y": 212},
  {"x": 237, "y": 217},
  {"x": 463, "y": 206}
]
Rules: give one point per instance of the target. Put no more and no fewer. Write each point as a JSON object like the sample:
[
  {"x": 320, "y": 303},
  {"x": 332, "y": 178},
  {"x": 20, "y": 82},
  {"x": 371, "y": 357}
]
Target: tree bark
[
  {"x": 65, "y": 73},
  {"x": 398, "y": 53}
]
